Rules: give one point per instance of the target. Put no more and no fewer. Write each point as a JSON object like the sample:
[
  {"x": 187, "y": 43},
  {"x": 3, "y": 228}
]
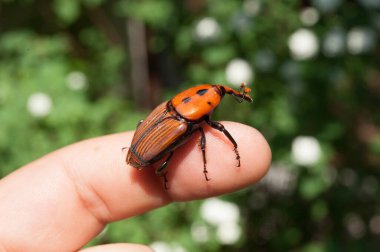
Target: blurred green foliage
[{"x": 75, "y": 53}]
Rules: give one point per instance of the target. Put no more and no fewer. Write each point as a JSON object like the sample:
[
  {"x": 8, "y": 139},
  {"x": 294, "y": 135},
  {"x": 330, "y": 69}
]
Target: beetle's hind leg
[
  {"x": 220, "y": 127},
  {"x": 160, "y": 171},
  {"x": 202, "y": 144}
]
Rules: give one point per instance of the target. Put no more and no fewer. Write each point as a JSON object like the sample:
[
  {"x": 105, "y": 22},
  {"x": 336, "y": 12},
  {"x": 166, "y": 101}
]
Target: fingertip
[
  {"x": 258, "y": 151},
  {"x": 186, "y": 177}
]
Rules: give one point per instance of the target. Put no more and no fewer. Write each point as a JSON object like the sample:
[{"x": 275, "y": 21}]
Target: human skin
[{"x": 64, "y": 199}]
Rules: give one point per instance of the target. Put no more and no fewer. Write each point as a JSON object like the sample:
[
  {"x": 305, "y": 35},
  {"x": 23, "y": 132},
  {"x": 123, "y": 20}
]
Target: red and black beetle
[{"x": 173, "y": 122}]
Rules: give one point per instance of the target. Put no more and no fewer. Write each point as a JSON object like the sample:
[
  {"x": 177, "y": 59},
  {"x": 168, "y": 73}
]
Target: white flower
[
  {"x": 347, "y": 177},
  {"x": 199, "y": 232},
  {"x": 228, "y": 233},
  {"x": 361, "y": 40},
  {"x": 306, "y": 150},
  {"x": 374, "y": 224},
  {"x": 327, "y": 5},
  {"x": 207, "y": 29},
  {"x": 160, "y": 246},
  {"x": 76, "y": 80},
  {"x": 225, "y": 217},
  {"x": 239, "y": 71},
  {"x": 39, "y": 104},
  {"x": 217, "y": 212},
  {"x": 252, "y": 7},
  {"x": 240, "y": 22},
  {"x": 309, "y": 16},
  {"x": 280, "y": 179},
  {"x": 303, "y": 44},
  {"x": 355, "y": 225},
  {"x": 334, "y": 42}
]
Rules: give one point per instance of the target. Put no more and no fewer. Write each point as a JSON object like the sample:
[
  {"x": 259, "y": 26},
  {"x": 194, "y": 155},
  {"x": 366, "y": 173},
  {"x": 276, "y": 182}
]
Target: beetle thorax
[{"x": 197, "y": 102}]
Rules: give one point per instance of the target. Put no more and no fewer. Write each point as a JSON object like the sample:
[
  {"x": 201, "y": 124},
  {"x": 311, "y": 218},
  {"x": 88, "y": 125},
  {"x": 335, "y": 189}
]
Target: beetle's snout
[{"x": 240, "y": 95}]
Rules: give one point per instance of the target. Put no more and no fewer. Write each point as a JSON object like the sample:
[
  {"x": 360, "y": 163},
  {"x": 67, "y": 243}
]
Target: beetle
[{"x": 172, "y": 123}]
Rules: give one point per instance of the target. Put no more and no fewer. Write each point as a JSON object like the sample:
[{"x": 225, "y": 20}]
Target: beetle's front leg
[
  {"x": 220, "y": 127},
  {"x": 202, "y": 144},
  {"x": 139, "y": 123},
  {"x": 161, "y": 170}
]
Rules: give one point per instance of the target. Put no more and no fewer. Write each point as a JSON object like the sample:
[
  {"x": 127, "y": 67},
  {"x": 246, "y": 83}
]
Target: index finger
[{"x": 88, "y": 184}]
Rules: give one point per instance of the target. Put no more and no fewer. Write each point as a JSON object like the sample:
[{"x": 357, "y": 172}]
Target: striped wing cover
[{"x": 153, "y": 136}]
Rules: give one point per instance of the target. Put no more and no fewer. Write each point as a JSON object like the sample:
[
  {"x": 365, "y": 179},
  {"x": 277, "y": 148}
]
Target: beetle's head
[{"x": 240, "y": 95}]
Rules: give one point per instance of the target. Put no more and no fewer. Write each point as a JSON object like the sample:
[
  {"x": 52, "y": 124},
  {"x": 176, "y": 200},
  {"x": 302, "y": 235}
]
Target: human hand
[{"x": 64, "y": 199}]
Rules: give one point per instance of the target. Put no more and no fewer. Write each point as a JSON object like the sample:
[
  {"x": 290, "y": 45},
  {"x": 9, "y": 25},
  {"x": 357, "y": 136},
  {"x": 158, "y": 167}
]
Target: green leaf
[
  {"x": 311, "y": 187},
  {"x": 67, "y": 11}
]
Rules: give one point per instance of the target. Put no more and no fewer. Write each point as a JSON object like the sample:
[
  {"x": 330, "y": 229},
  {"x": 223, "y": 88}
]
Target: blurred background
[{"x": 74, "y": 69}]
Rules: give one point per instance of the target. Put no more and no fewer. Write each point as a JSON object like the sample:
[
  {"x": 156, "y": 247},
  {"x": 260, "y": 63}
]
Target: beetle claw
[
  {"x": 207, "y": 178},
  {"x": 165, "y": 181},
  {"x": 205, "y": 173},
  {"x": 237, "y": 156}
]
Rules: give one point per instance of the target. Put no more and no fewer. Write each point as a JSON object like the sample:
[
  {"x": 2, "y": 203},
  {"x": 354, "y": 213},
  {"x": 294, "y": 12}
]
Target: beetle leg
[
  {"x": 140, "y": 122},
  {"x": 161, "y": 170},
  {"x": 202, "y": 144},
  {"x": 220, "y": 127}
]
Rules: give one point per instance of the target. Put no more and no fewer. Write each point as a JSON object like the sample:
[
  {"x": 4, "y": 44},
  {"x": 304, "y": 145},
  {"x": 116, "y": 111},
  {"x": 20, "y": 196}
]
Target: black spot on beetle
[
  {"x": 201, "y": 91},
  {"x": 209, "y": 103},
  {"x": 186, "y": 99}
]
